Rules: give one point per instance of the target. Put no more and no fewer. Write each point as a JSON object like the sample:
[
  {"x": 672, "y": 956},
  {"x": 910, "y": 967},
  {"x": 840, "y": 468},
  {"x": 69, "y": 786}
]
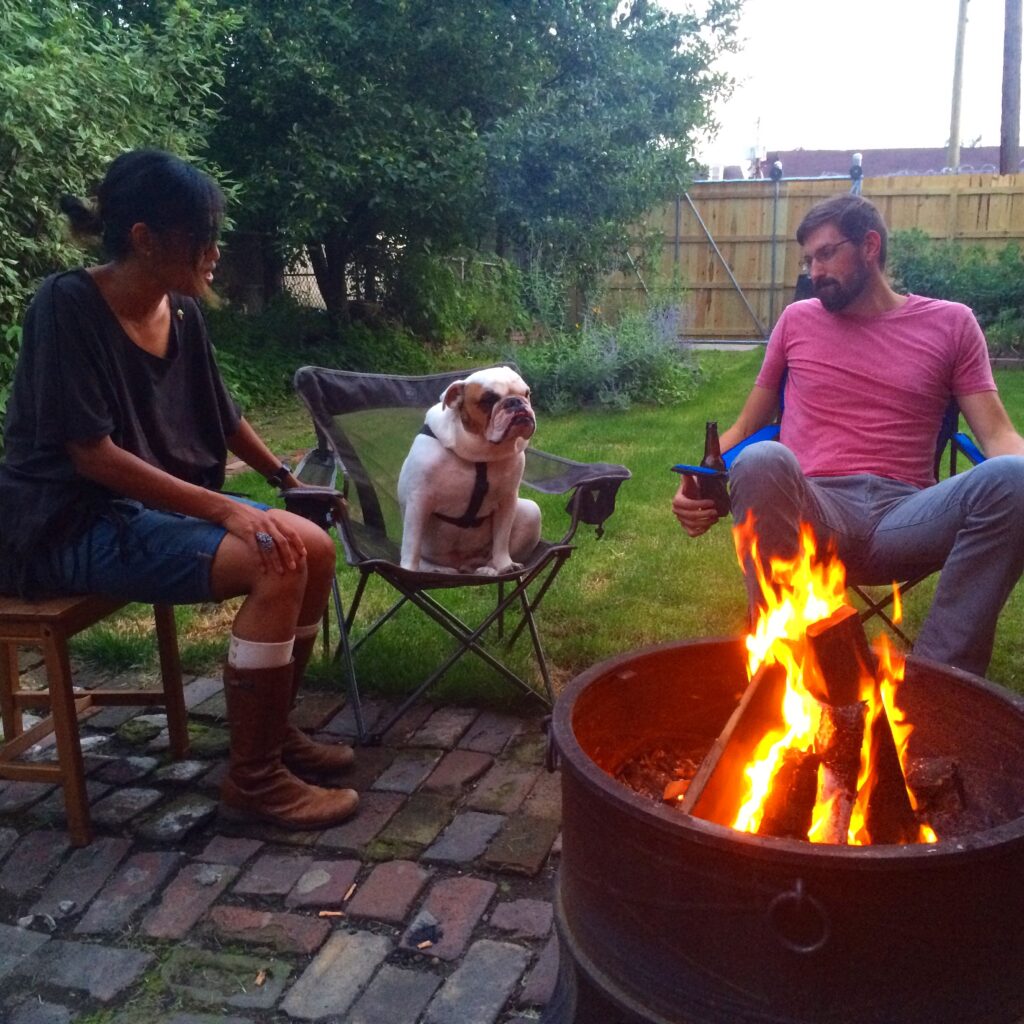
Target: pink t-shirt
[{"x": 867, "y": 394}]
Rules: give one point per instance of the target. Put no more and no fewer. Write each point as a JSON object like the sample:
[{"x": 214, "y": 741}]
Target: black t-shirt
[{"x": 79, "y": 378}]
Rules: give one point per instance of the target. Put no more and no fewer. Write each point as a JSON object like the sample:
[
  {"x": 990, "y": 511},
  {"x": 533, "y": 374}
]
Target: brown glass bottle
[{"x": 714, "y": 487}]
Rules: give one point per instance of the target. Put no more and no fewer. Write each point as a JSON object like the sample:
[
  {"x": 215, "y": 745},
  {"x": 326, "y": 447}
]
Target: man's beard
[{"x": 834, "y": 296}]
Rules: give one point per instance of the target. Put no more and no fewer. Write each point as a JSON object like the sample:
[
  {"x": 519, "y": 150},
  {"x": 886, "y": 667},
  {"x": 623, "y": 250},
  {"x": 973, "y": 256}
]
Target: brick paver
[
  {"x": 444, "y": 728},
  {"x": 491, "y": 732},
  {"x": 456, "y": 904},
  {"x": 81, "y": 876},
  {"x": 456, "y": 770},
  {"x": 415, "y": 826},
  {"x": 272, "y": 874},
  {"x": 408, "y": 770},
  {"x": 389, "y": 892},
  {"x": 540, "y": 981},
  {"x": 323, "y": 884},
  {"x": 331, "y": 983},
  {"x": 135, "y": 884},
  {"x": 285, "y": 933},
  {"x": 465, "y": 838},
  {"x": 375, "y": 811},
  {"x": 480, "y": 986},
  {"x": 395, "y": 995},
  {"x": 103, "y": 972},
  {"x": 32, "y": 859},
  {"x": 16, "y": 945},
  {"x": 523, "y": 845},
  {"x": 186, "y": 899},
  {"x": 523, "y": 919},
  {"x": 229, "y": 850},
  {"x": 504, "y": 788}
]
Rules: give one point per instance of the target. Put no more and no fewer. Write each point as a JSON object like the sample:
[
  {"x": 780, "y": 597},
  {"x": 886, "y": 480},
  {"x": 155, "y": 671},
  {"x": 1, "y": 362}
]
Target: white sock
[
  {"x": 302, "y": 632},
  {"x": 252, "y": 654}
]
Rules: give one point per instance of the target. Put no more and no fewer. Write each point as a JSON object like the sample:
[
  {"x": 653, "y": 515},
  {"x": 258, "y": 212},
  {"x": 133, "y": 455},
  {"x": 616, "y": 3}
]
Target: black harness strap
[{"x": 469, "y": 519}]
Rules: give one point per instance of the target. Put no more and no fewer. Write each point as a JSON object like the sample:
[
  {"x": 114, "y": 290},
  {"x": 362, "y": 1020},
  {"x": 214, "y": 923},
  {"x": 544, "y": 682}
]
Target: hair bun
[{"x": 84, "y": 221}]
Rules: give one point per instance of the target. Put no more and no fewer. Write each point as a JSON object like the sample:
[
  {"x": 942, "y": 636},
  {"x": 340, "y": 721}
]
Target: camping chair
[
  {"x": 877, "y": 601},
  {"x": 364, "y": 425}
]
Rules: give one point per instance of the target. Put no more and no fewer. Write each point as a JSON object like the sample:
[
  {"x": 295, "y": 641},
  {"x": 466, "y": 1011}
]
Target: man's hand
[{"x": 696, "y": 515}]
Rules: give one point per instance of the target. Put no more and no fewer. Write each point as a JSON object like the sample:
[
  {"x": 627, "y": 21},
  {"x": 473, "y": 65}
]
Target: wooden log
[
  {"x": 839, "y": 743},
  {"x": 847, "y": 669},
  {"x": 844, "y": 658},
  {"x": 789, "y": 808},
  {"x": 715, "y": 792}
]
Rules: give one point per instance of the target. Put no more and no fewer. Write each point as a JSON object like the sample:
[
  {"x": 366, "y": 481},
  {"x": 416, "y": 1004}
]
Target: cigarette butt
[
  {"x": 261, "y": 977},
  {"x": 348, "y": 894},
  {"x": 331, "y": 913},
  {"x": 425, "y": 944}
]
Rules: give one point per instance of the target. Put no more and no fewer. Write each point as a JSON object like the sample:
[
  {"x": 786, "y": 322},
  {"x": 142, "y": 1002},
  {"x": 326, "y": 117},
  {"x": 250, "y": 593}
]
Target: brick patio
[{"x": 431, "y": 906}]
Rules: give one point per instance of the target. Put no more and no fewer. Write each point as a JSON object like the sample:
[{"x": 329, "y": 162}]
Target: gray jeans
[{"x": 970, "y": 526}]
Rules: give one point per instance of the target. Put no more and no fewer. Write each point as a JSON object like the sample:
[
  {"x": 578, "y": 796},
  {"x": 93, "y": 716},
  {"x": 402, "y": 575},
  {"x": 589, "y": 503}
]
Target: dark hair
[
  {"x": 151, "y": 187},
  {"x": 853, "y": 215}
]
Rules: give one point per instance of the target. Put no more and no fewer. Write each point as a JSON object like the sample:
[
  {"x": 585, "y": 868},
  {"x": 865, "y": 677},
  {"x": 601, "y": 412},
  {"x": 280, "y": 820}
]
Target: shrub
[
  {"x": 990, "y": 281},
  {"x": 258, "y": 353},
  {"x": 640, "y": 359}
]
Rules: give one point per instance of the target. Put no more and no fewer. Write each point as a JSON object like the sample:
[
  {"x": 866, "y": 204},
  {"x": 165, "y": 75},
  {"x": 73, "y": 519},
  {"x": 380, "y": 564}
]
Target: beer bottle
[{"x": 714, "y": 487}]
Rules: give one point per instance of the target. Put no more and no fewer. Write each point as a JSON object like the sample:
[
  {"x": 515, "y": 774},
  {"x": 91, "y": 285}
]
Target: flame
[{"x": 801, "y": 591}]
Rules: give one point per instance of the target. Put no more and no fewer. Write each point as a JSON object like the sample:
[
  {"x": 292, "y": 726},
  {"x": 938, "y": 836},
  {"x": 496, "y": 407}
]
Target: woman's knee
[{"x": 321, "y": 556}]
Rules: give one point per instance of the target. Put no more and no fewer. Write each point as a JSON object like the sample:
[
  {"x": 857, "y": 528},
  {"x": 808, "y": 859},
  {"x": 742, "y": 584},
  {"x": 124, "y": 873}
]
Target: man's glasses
[{"x": 823, "y": 255}]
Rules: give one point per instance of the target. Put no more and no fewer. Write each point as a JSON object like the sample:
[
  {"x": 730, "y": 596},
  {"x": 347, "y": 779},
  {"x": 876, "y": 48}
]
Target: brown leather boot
[
  {"x": 300, "y": 754},
  {"x": 257, "y": 782}
]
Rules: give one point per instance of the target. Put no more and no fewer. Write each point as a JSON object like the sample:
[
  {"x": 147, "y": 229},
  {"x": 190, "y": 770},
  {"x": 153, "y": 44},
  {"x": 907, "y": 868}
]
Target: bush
[
  {"x": 258, "y": 353},
  {"x": 446, "y": 299},
  {"x": 638, "y": 360},
  {"x": 990, "y": 281}
]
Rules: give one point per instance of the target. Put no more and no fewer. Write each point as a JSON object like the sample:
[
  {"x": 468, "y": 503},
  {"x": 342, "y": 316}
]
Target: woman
[{"x": 117, "y": 432}]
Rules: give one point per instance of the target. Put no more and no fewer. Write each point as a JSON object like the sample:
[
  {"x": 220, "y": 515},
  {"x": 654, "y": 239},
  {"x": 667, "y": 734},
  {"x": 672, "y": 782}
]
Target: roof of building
[{"x": 813, "y": 163}]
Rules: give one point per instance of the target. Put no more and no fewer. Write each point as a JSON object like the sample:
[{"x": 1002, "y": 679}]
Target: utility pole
[
  {"x": 1009, "y": 132},
  {"x": 953, "y": 153}
]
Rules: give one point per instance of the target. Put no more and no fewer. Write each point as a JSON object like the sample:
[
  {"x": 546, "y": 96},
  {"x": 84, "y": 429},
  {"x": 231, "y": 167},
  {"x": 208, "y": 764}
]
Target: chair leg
[
  {"x": 65, "y": 728},
  {"x": 170, "y": 675},
  {"x": 345, "y": 653},
  {"x": 10, "y": 714}
]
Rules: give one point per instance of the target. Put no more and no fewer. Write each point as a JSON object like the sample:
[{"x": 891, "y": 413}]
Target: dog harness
[{"x": 469, "y": 520}]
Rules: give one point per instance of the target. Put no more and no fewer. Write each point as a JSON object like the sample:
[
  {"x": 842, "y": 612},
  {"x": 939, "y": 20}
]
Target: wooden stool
[{"x": 49, "y": 624}]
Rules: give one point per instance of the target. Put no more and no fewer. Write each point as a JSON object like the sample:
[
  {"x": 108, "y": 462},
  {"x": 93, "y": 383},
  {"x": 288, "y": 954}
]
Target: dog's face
[{"x": 492, "y": 404}]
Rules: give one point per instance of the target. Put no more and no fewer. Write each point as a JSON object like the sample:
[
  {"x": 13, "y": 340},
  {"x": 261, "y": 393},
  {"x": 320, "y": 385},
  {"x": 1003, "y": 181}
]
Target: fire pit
[{"x": 665, "y": 917}]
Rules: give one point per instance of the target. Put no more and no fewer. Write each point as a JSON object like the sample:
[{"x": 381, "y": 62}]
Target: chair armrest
[
  {"x": 594, "y": 486},
  {"x": 965, "y": 443},
  {"x": 321, "y": 505},
  {"x": 769, "y": 433}
]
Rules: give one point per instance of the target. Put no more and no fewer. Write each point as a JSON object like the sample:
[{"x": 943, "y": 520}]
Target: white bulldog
[{"x": 459, "y": 484}]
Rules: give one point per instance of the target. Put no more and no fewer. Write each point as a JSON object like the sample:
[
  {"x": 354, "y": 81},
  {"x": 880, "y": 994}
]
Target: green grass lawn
[{"x": 645, "y": 582}]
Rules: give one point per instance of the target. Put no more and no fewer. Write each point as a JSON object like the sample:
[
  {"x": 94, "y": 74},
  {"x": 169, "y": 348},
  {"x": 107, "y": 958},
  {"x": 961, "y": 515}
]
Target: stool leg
[
  {"x": 10, "y": 715},
  {"x": 65, "y": 729},
  {"x": 170, "y": 674}
]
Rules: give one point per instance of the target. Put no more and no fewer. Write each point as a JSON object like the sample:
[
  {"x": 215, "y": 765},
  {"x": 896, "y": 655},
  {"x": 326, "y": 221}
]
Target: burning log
[
  {"x": 712, "y": 793},
  {"x": 789, "y": 810},
  {"x": 845, "y": 661}
]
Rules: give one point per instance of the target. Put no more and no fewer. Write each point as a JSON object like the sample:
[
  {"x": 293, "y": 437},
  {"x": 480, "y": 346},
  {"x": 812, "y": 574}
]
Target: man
[{"x": 867, "y": 376}]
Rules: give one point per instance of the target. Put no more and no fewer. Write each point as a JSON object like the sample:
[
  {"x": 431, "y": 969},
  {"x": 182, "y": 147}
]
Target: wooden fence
[{"x": 753, "y": 224}]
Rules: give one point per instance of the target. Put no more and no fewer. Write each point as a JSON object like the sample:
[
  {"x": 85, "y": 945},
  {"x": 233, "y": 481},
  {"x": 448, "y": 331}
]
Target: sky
[{"x": 861, "y": 74}]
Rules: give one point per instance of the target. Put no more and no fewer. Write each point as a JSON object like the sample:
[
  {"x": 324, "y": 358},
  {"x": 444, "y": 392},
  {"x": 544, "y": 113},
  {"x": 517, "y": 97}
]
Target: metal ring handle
[{"x": 797, "y": 900}]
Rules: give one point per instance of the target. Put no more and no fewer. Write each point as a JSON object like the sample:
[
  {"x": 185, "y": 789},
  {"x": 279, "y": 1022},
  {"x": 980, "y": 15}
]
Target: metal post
[{"x": 776, "y": 176}]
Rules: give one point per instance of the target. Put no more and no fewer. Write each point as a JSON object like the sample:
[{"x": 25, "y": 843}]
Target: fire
[{"x": 805, "y": 590}]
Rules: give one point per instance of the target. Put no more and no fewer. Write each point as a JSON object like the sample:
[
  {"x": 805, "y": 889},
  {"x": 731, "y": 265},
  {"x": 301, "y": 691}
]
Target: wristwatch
[{"x": 277, "y": 478}]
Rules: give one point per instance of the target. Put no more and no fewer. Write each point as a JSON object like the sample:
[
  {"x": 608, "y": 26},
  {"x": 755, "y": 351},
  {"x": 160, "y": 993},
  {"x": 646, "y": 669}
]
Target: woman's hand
[
  {"x": 268, "y": 533},
  {"x": 696, "y": 515}
]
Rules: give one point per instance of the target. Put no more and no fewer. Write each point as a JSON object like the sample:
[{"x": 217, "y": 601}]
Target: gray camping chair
[{"x": 364, "y": 425}]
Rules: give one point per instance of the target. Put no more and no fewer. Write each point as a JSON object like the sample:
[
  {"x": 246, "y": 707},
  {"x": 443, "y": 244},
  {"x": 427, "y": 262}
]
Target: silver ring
[{"x": 264, "y": 541}]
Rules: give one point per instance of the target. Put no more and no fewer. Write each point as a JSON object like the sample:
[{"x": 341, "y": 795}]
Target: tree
[
  {"x": 76, "y": 89},
  {"x": 364, "y": 130}
]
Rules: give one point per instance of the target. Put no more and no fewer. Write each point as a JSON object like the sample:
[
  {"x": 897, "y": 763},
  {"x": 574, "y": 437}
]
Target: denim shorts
[{"x": 138, "y": 554}]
